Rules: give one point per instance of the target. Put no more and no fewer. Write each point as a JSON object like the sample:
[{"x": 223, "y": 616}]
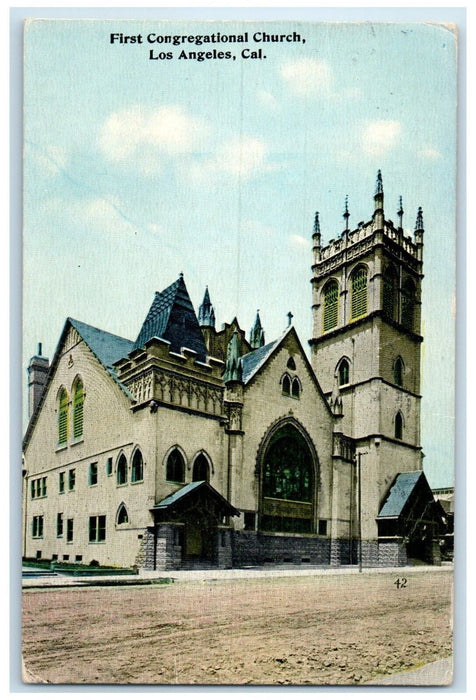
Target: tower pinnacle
[
  {"x": 378, "y": 199},
  {"x": 257, "y": 333},
  {"x": 206, "y": 313},
  {"x": 346, "y": 214},
  {"x": 400, "y": 213}
]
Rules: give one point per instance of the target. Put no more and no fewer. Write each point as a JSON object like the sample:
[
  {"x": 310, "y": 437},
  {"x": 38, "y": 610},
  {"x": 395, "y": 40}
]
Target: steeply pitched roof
[
  {"x": 399, "y": 493},
  {"x": 252, "y": 361},
  {"x": 172, "y": 317},
  {"x": 107, "y": 347}
]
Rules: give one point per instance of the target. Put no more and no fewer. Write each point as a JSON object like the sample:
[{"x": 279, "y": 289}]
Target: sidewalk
[
  {"x": 437, "y": 673},
  {"x": 43, "y": 580}
]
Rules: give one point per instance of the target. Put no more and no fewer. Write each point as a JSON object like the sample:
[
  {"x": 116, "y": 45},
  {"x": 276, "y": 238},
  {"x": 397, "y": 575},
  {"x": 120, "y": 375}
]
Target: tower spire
[
  {"x": 257, "y": 333},
  {"x": 419, "y": 231},
  {"x": 206, "y": 313},
  {"x": 400, "y": 212},
  {"x": 378, "y": 199},
  {"x": 346, "y": 214}
]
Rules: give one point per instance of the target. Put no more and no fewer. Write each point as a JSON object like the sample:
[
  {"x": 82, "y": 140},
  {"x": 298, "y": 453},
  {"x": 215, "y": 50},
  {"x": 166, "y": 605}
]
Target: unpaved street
[{"x": 312, "y": 630}]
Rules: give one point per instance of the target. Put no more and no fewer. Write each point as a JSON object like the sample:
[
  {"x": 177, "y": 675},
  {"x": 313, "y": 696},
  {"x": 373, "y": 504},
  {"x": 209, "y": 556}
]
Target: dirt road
[{"x": 302, "y": 630}]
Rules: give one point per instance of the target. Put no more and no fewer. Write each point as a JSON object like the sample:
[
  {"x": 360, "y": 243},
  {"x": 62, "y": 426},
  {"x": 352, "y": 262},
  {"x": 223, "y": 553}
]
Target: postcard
[{"x": 239, "y": 351}]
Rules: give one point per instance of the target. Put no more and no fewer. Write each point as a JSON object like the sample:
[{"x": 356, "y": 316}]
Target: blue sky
[{"x": 137, "y": 170}]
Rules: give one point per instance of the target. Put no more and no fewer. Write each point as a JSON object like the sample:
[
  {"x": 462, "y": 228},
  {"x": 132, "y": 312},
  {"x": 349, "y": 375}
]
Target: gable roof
[
  {"x": 106, "y": 347},
  {"x": 172, "y": 317},
  {"x": 175, "y": 498},
  {"x": 255, "y": 360},
  {"x": 399, "y": 493}
]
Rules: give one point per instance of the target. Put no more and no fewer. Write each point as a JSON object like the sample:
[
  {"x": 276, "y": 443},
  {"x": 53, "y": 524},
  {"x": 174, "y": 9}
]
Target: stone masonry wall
[{"x": 251, "y": 548}]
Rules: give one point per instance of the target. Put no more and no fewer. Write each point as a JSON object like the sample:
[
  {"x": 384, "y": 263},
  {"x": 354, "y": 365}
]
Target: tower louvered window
[
  {"x": 359, "y": 293},
  {"x": 389, "y": 294},
  {"x": 63, "y": 418},
  {"x": 331, "y": 306},
  {"x": 78, "y": 400},
  {"x": 408, "y": 304}
]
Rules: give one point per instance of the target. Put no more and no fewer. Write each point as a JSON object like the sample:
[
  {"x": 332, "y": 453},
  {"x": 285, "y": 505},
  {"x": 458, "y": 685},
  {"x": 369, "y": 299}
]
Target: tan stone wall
[{"x": 264, "y": 406}]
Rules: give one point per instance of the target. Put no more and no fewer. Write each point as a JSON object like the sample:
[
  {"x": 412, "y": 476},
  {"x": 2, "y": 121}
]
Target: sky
[{"x": 136, "y": 170}]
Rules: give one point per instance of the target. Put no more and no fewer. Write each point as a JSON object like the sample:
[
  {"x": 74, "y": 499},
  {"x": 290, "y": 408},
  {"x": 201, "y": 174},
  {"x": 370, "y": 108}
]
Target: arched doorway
[{"x": 288, "y": 480}]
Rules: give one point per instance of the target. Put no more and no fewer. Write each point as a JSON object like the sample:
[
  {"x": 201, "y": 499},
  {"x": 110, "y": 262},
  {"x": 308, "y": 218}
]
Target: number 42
[{"x": 401, "y": 583}]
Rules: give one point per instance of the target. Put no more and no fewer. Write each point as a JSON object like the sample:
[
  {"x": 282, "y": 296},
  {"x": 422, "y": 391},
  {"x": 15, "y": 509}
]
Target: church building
[{"x": 192, "y": 446}]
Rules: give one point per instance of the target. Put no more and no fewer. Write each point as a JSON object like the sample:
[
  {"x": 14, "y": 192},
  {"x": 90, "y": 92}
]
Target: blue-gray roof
[
  {"x": 107, "y": 347},
  {"x": 172, "y": 317},
  {"x": 170, "y": 500},
  {"x": 174, "y": 498},
  {"x": 252, "y": 361},
  {"x": 399, "y": 494}
]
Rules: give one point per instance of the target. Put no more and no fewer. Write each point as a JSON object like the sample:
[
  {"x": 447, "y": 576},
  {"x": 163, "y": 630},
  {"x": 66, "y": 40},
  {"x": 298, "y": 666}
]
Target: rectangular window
[
  {"x": 38, "y": 487},
  {"x": 93, "y": 473},
  {"x": 78, "y": 558},
  {"x": 65, "y": 557},
  {"x": 61, "y": 482},
  {"x": 37, "y": 526},
  {"x": 59, "y": 525},
  {"x": 54, "y": 557},
  {"x": 71, "y": 479},
  {"x": 323, "y": 527},
  {"x": 109, "y": 466},
  {"x": 97, "y": 528},
  {"x": 249, "y": 521},
  {"x": 69, "y": 530}
]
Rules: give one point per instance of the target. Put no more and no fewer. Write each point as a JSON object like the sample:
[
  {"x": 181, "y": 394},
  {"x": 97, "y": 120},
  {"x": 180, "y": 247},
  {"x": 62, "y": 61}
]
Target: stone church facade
[{"x": 193, "y": 446}]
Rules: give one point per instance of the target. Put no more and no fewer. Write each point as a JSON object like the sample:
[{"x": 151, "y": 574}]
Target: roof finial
[
  {"x": 419, "y": 220},
  {"x": 346, "y": 212},
  {"x": 400, "y": 212},
  {"x": 317, "y": 227},
  {"x": 206, "y": 312},
  {"x": 379, "y": 183},
  {"x": 290, "y": 318}
]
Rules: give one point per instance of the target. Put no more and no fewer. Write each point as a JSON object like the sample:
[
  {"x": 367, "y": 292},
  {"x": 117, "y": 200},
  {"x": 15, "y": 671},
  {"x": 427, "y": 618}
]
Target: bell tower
[{"x": 366, "y": 287}]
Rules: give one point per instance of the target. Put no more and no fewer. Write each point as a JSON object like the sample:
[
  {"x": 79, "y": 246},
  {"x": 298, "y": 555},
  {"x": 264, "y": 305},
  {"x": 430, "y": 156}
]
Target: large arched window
[
  {"x": 296, "y": 388},
  {"x": 122, "y": 470},
  {"x": 137, "y": 470},
  {"x": 201, "y": 469},
  {"x": 63, "y": 422},
  {"x": 331, "y": 305},
  {"x": 408, "y": 303},
  {"x": 175, "y": 468},
  {"x": 390, "y": 294},
  {"x": 399, "y": 426},
  {"x": 398, "y": 369},
  {"x": 287, "y": 502},
  {"x": 122, "y": 516},
  {"x": 78, "y": 401},
  {"x": 344, "y": 372},
  {"x": 358, "y": 293}
]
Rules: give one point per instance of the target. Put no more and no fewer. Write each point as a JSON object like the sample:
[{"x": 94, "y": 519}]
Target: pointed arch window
[
  {"x": 286, "y": 385},
  {"x": 398, "y": 369},
  {"x": 122, "y": 517},
  {"x": 78, "y": 401},
  {"x": 175, "y": 469},
  {"x": 408, "y": 303},
  {"x": 201, "y": 469},
  {"x": 399, "y": 426},
  {"x": 291, "y": 364},
  {"x": 390, "y": 294},
  {"x": 331, "y": 305},
  {"x": 359, "y": 293},
  {"x": 63, "y": 419},
  {"x": 296, "y": 388},
  {"x": 344, "y": 373},
  {"x": 137, "y": 470},
  {"x": 122, "y": 470}
]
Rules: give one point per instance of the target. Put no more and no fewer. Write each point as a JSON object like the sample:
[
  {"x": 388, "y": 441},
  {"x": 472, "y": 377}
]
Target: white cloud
[
  {"x": 268, "y": 100},
  {"x": 298, "y": 241},
  {"x": 258, "y": 229},
  {"x": 242, "y": 157},
  {"x": 380, "y": 136},
  {"x": 429, "y": 153},
  {"x": 143, "y": 136},
  {"x": 307, "y": 76}
]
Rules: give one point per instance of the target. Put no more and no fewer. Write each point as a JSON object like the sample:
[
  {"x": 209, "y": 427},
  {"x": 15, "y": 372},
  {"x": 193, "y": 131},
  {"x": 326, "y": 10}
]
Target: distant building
[{"x": 190, "y": 445}]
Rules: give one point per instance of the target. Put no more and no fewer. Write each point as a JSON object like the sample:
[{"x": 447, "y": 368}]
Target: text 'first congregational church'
[{"x": 195, "y": 446}]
